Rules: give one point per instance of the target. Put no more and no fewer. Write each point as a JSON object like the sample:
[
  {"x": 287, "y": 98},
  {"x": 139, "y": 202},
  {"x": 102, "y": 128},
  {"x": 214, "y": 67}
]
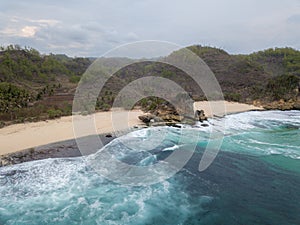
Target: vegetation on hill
[
  {"x": 278, "y": 61},
  {"x": 35, "y": 86},
  {"x": 32, "y": 85},
  {"x": 12, "y": 97},
  {"x": 283, "y": 68}
]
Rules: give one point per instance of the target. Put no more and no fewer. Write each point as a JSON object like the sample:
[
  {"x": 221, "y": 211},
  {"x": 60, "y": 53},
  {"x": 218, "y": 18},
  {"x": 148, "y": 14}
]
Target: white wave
[{"x": 172, "y": 148}]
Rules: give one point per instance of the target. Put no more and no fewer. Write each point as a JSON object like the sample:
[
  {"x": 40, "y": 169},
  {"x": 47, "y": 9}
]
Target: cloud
[
  {"x": 92, "y": 27},
  {"x": 24, "y": 27},
  {"x": 28, "y": 31},
  {"x": 9, "y": 32},
  {"x": 45, "y": 23},
  {"x": 294, "y": 19}
]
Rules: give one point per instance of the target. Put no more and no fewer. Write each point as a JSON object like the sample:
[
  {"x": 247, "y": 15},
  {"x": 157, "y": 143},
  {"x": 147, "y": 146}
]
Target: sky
[{"x": 93, "y": 27}]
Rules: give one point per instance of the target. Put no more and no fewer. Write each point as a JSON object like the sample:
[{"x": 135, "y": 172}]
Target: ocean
[{"x": 255, "y": 179}]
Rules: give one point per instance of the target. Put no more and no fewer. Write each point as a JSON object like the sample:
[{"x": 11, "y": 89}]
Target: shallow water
[{"x": 255, "y": 179}]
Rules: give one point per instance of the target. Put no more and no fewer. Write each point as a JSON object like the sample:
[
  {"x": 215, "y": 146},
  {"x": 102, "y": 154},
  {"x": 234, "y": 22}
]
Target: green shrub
[
  {"x": 54, "y": 113},
  {"x": 235, "y": 97},
  {"x": 74, "y": 79},
  {"x": 12, "y": 97}
]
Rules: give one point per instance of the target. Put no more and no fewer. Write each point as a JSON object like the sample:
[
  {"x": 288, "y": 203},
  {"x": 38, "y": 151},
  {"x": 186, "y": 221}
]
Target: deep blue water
[{"x": 255, "y": 179}]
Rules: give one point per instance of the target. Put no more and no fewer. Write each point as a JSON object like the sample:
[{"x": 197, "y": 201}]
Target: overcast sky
[{"x": 92, "y": 27}]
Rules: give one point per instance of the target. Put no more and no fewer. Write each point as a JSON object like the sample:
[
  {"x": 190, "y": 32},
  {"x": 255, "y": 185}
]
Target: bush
[
  {"x": 74, "y": 79},
  {"x": 54, "y": 113},
  {"x": 12, "y": 97},
  {"x": 235, "y": 97}
]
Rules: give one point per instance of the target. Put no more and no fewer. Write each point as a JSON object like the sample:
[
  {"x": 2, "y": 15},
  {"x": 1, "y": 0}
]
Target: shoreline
[
  {"x": 219, "y": 106},
  {"x": 18, "y": 137},
  {"x": 61, "y": 149},
  {"x": 55, "y": 138}
]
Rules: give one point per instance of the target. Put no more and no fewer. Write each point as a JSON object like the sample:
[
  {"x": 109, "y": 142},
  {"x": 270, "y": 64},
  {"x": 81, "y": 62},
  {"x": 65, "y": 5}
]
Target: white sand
[
  {"x": 28, "y": 135},
  {"x": 222, "y": 108}
]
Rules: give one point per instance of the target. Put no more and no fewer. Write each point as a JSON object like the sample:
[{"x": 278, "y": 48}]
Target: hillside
[
  {"x": 35, "y": 86},
  {"x": 256, "y": 78},
  {"x": 267, "y": 76}
]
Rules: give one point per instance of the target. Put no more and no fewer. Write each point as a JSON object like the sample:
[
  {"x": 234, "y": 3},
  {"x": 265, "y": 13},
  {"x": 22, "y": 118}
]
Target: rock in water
[{"x": 200, "y": 115}]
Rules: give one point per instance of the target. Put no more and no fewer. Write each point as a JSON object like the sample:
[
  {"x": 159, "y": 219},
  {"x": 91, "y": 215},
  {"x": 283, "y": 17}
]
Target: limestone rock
[
  {"x": 146, "y": 118},
  {"x": 297, "y": 105}
]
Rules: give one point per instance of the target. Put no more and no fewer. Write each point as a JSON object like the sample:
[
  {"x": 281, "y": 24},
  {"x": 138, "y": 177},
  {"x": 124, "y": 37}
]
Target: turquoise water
[{"x": 255, "y": 179}]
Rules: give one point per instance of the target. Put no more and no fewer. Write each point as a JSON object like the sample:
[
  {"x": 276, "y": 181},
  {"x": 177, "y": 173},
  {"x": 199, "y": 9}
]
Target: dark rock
[
  {"x": 297, "y": 105},
  {"x": 172, "y": 118},
  {"x": 6, "y": 161},
  {"x": 174, "y": 125},
  {"x": 200, "y": 115},
  {"x": 108, "y": 135},
  {"x": 146, "y": 118},
  {"x": 18, "y": 155},
  {"x": 204, "y": 125},
  {"x": 61, "y": 149}
]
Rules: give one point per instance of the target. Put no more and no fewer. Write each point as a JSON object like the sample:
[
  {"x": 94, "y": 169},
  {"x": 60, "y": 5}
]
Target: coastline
[
  {"x": 55, "y": 138},
  {"x": 216, "y": 108},
  {"x": 18, "y": 137},
  {"x": 61, "y": 149}
]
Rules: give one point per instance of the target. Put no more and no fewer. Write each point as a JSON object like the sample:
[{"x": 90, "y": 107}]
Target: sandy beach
[
  {"x": 29, "y": 135},
  {"x": 222, "y": 108}
]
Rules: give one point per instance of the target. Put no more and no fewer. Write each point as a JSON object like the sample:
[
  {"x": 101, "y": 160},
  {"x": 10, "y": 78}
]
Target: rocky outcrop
[
  {"x": 150, "y": 118},
  {"x": 282, "y": 105},
  {"x": 60, "y": 149},
  {"x": 146, "y": 118},
  {"x": 17, "y": 157},
  {"x": 171, "y": 117},
  {"x": 297, "y": 104},
  {"x": 164, "y": 117},
  {"x": 200, "y": 116}
]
